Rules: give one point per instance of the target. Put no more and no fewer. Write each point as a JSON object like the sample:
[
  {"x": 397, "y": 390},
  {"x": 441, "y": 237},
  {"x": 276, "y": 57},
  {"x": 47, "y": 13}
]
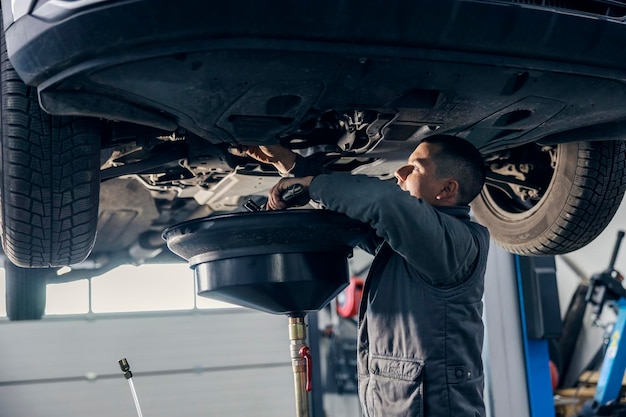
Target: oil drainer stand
[{"x": 282, "y": 262}]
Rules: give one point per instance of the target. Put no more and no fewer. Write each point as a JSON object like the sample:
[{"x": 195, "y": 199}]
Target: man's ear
[{"x": 449, "y": 192}]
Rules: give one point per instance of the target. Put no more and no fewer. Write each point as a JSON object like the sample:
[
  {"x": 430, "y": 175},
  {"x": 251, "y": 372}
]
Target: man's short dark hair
[{"x": 459, "y": 159}]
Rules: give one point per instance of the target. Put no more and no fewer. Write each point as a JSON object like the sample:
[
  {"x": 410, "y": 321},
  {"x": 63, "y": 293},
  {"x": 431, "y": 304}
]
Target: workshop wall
[{"x": 232, "y": 362}]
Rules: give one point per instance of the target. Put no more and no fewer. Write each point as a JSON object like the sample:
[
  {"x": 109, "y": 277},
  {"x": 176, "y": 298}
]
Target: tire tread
[{"x": 50, "y": 181}]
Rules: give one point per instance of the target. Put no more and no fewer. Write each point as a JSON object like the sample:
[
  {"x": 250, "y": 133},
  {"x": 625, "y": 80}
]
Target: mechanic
[{"x": 420, "y": 330}]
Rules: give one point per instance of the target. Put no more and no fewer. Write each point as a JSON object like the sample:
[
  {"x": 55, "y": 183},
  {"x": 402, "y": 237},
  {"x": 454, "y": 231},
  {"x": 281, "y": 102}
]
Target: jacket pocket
[{"x": 395, "y": 387}]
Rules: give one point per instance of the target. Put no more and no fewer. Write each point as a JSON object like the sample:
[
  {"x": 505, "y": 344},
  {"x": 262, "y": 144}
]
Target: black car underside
[{"x": 161, "y": 98}]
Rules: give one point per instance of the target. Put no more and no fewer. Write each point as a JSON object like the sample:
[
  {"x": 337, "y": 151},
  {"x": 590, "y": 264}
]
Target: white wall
[{"x": 221, "y": 362}]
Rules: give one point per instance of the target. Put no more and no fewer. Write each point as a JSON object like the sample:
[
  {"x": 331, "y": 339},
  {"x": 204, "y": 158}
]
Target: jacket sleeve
[
  {"x": 305, "y": 167},
  {"x": 440, "y": 246}
]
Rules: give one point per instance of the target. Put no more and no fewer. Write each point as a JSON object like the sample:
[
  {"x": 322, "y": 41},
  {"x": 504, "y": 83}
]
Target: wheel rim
[{"x": 518, "y": 179}]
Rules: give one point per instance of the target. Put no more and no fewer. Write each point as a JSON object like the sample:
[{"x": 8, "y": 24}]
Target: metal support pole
[{"x": 301, "y": 364}]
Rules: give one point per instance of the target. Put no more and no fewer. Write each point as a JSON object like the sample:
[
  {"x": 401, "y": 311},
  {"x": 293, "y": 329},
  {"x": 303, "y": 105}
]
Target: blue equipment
[{"x": 607, "y": 286}]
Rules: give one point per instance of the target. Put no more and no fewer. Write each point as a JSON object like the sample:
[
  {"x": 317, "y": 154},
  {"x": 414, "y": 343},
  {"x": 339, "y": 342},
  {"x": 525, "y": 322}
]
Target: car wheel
[
  {"x": 550, "y": 200},
  {"x": 25, "y": 291},
  {"x": 50, "y": 178}
]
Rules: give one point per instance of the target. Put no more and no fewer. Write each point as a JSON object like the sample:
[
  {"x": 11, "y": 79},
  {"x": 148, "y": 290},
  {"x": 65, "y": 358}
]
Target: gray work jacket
[{"x": 420, "y": 331}]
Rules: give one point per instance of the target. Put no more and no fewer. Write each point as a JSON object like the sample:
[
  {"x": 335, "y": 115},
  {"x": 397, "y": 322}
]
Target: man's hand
[
  {"x": 281, "y": 158},
  {"x": 275, "y": 201}
]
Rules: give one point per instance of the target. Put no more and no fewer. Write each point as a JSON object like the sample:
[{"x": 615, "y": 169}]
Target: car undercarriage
[{"x": 112, "y": 132}]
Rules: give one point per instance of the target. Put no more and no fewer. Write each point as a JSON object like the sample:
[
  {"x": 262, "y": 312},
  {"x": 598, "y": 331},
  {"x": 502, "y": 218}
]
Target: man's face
[{"x": 417, "y": 177}]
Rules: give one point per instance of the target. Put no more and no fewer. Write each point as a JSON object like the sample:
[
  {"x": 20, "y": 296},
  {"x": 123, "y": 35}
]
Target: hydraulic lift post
[
  {"x": 540, "y": 321},
  {"x": 607, "y": 286},
  {"x": 521, "y": 313}
]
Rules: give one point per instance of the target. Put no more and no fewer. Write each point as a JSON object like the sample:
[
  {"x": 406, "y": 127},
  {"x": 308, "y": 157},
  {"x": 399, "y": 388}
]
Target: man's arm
[
  {"x": 286, "y": 162},
  {"x": 281, "y": 158},
  {"x": 440, "y": 246}
]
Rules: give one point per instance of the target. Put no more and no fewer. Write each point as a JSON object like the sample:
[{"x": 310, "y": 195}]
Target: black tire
[
  {"x": 580, "y": 187},
  {"x": 573, "y": 323},
  {"x": 25, "y": 291},
  {"x": 50, "y": 178}
]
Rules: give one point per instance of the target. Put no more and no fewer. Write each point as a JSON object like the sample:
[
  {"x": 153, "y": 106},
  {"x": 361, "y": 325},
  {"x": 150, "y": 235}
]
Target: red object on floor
[
  {"x": 349, "y": 299},
  {"x": 554, "y": 375}
]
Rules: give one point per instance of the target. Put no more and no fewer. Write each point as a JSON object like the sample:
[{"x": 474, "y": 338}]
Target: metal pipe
[{"x": 300, "y": 364}]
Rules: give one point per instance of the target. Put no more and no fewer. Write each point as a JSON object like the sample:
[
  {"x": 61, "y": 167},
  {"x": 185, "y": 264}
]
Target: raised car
[{"x": 120, "y": 118}]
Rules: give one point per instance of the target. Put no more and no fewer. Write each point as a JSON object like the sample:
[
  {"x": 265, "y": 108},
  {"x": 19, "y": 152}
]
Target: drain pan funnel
[{"x": 282, "y": 262}]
